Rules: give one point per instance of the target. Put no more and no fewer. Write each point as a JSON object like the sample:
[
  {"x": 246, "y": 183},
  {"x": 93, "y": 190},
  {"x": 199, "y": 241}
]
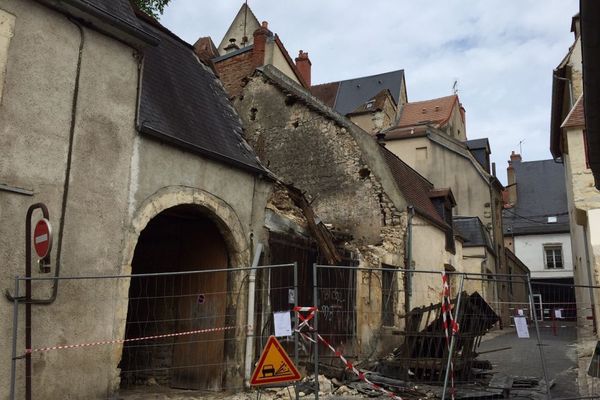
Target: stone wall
[{"x": 319, "y": 156}]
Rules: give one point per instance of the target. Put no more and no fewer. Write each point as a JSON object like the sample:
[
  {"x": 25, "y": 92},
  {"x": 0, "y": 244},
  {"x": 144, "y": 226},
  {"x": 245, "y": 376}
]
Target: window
[{"x": 553, "y": 256}]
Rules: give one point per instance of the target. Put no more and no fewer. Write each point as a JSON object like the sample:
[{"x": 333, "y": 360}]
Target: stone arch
[{"x": 217, "y": 209}]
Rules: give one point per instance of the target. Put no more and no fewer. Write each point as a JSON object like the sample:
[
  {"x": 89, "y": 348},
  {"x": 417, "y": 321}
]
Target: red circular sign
[{"x": 42, "y": 238}]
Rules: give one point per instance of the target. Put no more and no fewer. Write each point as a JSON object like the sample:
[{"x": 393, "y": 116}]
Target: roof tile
[
  {"x": 576, "y": 117},
  {"x": 434, "y": 112},
  {"x": 415, "y": 188},
  {"x": 326, "y": 92}
]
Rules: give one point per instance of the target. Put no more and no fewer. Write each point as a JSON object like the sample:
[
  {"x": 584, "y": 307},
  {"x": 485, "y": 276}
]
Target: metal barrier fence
[
  {"x": 514, "y": 337},
  {"x": 128, "y": 335},
  {"x": 404, "y": 333}
]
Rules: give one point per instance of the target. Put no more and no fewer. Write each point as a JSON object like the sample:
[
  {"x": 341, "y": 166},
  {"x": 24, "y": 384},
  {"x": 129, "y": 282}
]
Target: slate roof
[
  {"x": 107, "y": 16},
  {"x": 435, "y": 112},
  {"x": 473, "y": 231},
  {"x": 480, "y": 148},
  {"x": 118, "y": 9},
  {"x": 184, "y": 104},
  {"x": 482, "y": 143},
  {"x": 346, "y": 96},
  {"x": 541, "y": 193}
]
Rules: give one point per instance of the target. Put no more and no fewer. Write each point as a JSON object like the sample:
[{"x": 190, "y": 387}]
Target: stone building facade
[{"x": 92, "y": 126}]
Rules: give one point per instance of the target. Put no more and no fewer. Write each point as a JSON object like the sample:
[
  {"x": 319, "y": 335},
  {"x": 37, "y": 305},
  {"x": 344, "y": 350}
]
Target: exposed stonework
[{"x": 315, "y": 154}]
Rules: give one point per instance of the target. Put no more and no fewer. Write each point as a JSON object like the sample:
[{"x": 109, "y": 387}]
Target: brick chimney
[
  {"x": 260, "y": 43},
  {"x": 304, "y": 65},
  {"x": 512, "y": 179}
]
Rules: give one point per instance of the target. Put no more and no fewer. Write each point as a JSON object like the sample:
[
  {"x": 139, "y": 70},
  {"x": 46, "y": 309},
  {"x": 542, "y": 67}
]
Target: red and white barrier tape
[
  {"x": 348, "y": 364},
  {"x": 305, "y": 318},
  {"x": 115, "y": 341},
  {"x": 447, "y": 311}
]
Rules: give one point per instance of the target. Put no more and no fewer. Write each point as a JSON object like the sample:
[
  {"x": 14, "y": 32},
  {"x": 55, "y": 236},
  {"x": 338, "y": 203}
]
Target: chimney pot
[
  {"x": 304, "y": 66},
  {"x": 265, "y": 25},
  {"x": 515, "y": 157},
  {"x": 260, "y": 43}
]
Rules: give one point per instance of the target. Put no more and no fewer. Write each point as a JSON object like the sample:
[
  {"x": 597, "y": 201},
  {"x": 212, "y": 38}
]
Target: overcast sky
[{"x": 502, "y": 52}]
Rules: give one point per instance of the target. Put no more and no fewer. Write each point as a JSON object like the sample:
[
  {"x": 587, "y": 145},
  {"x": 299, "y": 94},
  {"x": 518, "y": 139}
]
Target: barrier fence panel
[
  {"x": 566, "y": 315},
  {"x": 370, "y": 323},
  {"x": 133, "y": 335},
  {"x": 388, "y": 331},
  {"x": 513, "y": 336}
]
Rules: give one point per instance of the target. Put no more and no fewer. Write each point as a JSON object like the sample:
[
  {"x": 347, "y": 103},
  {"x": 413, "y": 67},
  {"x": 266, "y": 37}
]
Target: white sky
[{"x": 502, "y": 52}]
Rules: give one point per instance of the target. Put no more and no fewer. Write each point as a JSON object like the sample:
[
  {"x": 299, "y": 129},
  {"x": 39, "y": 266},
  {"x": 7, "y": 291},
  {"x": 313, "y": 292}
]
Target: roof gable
[
  {"x": 244, "y": 24},
  {"x": 376, "y": 102},
  {"x": 183, "y": 103}
]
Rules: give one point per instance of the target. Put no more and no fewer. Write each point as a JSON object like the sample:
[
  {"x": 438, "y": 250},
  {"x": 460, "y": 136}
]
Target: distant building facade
[{"x": 536, "y": 228}]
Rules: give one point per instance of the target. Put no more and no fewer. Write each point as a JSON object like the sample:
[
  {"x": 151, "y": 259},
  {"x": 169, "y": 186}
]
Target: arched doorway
[{"x": 181, "y": 238}]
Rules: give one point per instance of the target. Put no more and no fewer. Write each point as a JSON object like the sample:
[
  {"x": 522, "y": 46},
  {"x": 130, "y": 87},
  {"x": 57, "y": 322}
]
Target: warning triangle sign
[{"x": 274, "y": 365}]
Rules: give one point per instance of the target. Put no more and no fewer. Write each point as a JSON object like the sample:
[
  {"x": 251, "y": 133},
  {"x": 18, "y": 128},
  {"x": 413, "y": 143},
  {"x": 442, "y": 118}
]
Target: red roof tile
[
  {"x": 576, "y": 117},
  {"x": 205, "y": 48},
  {"x": 435, "y": 112},
  {"x": 326, "y": 92},
  {"x": 414, "y": 187}
]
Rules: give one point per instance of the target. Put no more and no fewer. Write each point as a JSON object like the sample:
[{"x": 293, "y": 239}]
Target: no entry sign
[{"x": 42, "y": 238}]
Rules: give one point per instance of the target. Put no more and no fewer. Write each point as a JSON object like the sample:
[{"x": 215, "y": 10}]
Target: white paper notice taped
[
  {"x": 521, "y": 325},
  {"x": 283, "y": 323}
]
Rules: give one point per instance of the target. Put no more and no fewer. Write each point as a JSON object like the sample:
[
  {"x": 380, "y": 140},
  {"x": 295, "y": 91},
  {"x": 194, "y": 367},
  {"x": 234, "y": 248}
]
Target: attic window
[
  {"x": 552, "y": 220},
  {"x": 370, "y": 104}
]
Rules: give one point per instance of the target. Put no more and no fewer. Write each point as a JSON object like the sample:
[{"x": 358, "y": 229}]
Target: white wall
[{"x": 530, "y": 249}]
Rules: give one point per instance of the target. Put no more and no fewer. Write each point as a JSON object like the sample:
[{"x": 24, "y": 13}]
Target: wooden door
[{"x": 198, "y": 359}]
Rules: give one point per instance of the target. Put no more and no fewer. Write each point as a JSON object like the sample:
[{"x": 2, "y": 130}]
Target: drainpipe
[
  {"x": 409, "y": 238},
  {"x": 67, "y": 180},
  {"x": 250, "y": 320}
]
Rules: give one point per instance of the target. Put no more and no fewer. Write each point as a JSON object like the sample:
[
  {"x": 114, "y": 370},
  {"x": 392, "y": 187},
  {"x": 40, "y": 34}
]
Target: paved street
[{"x": 523, "y": 359}]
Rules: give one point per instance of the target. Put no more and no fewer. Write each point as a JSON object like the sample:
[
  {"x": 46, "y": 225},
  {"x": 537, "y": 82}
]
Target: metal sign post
[{"x": 43, "y": 247}]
